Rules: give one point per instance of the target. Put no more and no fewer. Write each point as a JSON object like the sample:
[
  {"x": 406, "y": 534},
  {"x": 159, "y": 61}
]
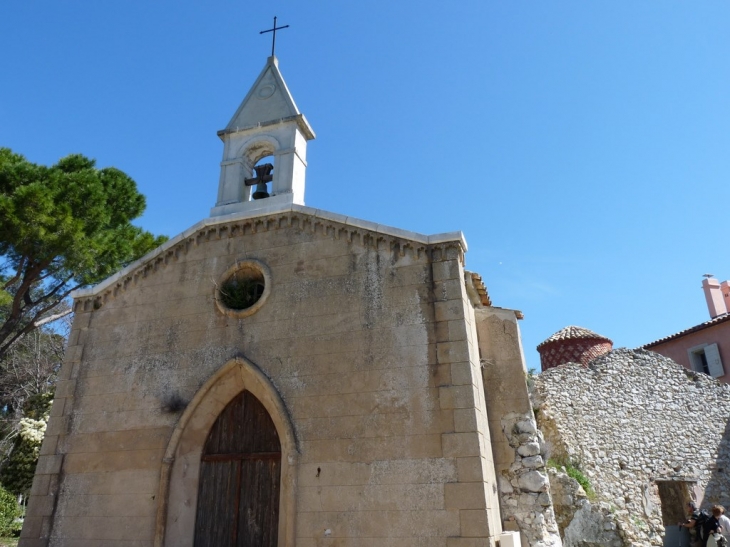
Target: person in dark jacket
[{"x": 695, "y": 523}]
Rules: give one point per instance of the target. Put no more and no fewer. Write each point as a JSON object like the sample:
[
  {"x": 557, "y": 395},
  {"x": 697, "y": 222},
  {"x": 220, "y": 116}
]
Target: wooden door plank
[{"x": 240, "y": 473}]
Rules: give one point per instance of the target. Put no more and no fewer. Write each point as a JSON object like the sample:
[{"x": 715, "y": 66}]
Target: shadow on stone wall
[{"x": 718, "y": 487}]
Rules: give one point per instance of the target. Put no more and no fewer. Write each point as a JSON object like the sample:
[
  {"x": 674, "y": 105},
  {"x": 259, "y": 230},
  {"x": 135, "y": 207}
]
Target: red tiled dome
[{"x": 572, "y": 345}]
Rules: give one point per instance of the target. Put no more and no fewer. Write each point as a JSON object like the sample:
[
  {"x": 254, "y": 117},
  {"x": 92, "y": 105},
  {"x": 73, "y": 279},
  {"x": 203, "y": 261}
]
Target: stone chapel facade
[{"x": 358, "y": 393}]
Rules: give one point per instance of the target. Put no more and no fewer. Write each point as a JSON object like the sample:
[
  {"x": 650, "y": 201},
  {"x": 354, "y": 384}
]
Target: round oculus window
[{"x": 243, "y": 288}]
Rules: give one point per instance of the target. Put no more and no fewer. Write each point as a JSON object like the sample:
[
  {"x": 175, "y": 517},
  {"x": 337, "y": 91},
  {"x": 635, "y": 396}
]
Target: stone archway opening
[{"x": 188, "y": 449}]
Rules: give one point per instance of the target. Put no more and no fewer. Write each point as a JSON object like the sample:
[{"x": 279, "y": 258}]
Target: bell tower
[{"x": 264, "y": 149}]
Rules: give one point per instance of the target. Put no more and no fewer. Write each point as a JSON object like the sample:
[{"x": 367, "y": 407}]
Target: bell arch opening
[
  {"x": 258, "y": 158},
  {"x": 257, "y": 186},
  {"x": 239, "y": 481}
]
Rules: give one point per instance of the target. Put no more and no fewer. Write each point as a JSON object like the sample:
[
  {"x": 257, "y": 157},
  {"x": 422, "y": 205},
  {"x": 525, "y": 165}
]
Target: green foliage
[
  {"x": 63, "y": 227},
  {"x": 27, "y": 376},
  {"x": 17, "y": 472},
  {"x": 10, "y": 513},
  {"x": 573, "y": 471},
  {"x": 5, "y": 297},
  {"x": 38, "y": 406},
  {"x": 239, "y": 293}
]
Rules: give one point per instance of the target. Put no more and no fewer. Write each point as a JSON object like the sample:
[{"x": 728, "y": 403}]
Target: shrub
[
  {"x": 239, "y": 294},
  {"x": 18, "y": 470},
  {"x": 10, "y": 513},
  {"x": 572, "y": 470},
  {"x": 19, "y": 467}
]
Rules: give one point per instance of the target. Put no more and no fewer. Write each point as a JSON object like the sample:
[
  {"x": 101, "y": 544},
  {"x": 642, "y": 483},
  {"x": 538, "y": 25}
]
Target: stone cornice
[
  {"x": 300, "y": 120},
  {"x": 238, "y": 224}
]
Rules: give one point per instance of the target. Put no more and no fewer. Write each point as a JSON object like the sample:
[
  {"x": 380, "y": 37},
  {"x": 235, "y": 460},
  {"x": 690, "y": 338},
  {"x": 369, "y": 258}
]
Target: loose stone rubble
[
  {"x": 580, "y": 522},
  {"x": 629, "y": 419},
  {"x": 525, "y": 487}
]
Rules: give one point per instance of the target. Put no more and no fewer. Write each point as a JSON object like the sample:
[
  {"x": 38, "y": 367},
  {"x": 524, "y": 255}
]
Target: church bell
[
  {"x": 261, "y": 191},
  {"x": 263, "y": 175}
]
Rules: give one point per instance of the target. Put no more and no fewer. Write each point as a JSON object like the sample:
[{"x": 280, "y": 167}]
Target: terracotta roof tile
[
  {"x": 711, "y": 323},
  {"x": 572, "y": 333},
  {"x": 481, "y": 289}
]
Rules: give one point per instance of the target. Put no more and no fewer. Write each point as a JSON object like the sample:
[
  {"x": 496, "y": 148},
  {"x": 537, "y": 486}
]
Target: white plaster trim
[
  {"x": 231, "y": 162},
  {"x": 299, "y": 119},
  {"x": 447, "y": 237}
]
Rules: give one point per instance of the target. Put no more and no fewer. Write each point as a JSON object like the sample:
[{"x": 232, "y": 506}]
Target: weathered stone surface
[
  {"x": 628, "y": 420},
  {"x": 591, "y": 526},
  {"x": 533, "y": 481},
  {"x": 526, "y": 426},
  {"x": 529, "y": 449},
  {"x": 517, "y": 445},
  {"x": 382, "y": 408},
  {"x": 533, "y": 461}
]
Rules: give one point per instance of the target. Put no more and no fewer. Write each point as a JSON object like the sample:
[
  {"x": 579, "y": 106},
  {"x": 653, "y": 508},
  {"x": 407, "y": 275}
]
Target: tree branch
[
  {"x": 17, "y": 275},
  {"x": 51, "y": 318},
  {"x": 12, "y": 322},
  {"x": 29, "y": 278},
  {"x": 47, "y": 295},
  {"x": 55, "y": 303}
]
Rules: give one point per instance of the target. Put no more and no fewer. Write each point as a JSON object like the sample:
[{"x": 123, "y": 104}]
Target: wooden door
[{"x": 238, "y": 492}]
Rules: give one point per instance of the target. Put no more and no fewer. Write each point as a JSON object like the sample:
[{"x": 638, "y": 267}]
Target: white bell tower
[{"x": 268, "y": 123}]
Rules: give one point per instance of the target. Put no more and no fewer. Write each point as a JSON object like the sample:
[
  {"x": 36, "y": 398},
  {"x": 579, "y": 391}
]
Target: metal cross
[{"x": 273, "y": 30}]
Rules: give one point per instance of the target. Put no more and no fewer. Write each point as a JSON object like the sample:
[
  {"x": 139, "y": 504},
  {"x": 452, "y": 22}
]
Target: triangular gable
[
  {"x": 180, "y": 242},
  {"x": 268, "y": 100}
]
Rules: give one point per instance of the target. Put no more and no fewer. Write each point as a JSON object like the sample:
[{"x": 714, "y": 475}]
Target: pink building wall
[{"x": 677, "y": 349}]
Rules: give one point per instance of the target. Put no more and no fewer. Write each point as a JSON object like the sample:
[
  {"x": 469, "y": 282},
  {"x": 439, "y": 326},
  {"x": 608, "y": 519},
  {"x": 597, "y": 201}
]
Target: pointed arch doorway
[{"x": 240, "y": 478}]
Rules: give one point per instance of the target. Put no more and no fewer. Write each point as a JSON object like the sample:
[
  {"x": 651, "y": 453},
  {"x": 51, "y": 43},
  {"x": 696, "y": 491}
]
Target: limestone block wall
[
  {"x": 366, "y": 341},
  {"x": 631, "y": 419},
  {"x": 524, "y": 488}
]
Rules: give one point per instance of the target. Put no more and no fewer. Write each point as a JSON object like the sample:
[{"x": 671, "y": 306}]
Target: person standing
[
  {"x": 711, "y": 529},
  {"x": 723, "y": 521},
  {"x": 695, "y": 523}
]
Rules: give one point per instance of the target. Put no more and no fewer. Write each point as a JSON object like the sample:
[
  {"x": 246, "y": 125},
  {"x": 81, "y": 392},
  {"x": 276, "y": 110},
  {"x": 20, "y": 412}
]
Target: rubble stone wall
[{"x": 630, "y": 419}]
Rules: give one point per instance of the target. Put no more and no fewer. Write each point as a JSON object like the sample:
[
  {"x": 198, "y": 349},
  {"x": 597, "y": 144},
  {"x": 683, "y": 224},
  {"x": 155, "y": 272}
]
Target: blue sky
[{"x": 582, "y": 147}]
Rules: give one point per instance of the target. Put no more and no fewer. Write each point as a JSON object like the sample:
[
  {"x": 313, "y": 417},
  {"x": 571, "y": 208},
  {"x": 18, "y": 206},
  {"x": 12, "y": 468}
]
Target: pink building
[{"x": 704, "y": 347}]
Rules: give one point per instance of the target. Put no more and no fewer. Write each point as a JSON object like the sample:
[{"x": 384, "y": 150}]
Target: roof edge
[
  {"x": 563, "y": 335},
  {"x": 436, "y": 239},
  {"x": 272, "y": 63},
  {"x": 300, "y": 120},
  {"x": 702, "y": 326}
]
